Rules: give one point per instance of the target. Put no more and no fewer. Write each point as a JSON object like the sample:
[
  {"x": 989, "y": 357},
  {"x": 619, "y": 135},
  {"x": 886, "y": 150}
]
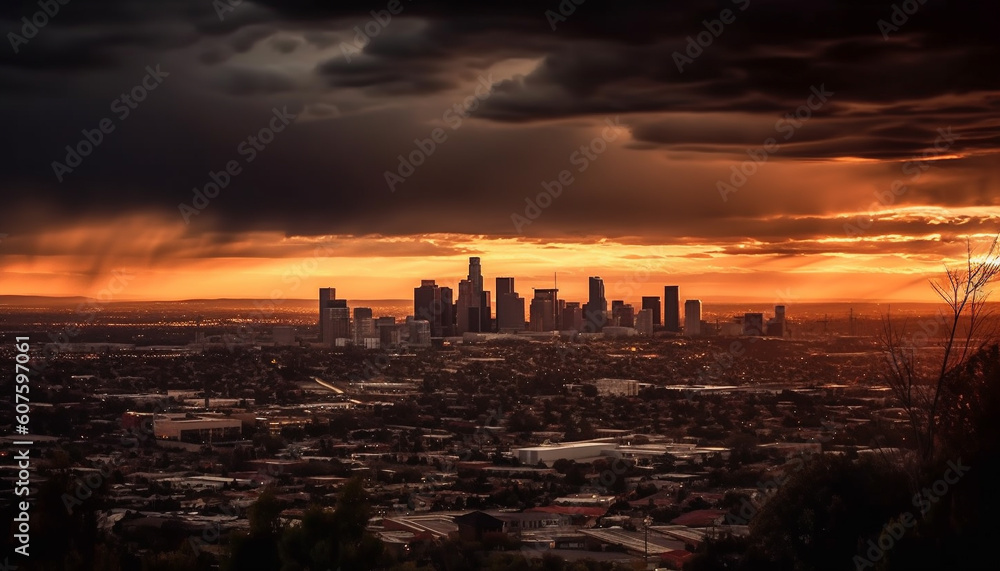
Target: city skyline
[{"x": 439, "y": 315}]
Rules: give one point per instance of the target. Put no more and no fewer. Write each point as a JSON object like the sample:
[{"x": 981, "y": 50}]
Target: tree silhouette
[{"x": 920, "y": 389}]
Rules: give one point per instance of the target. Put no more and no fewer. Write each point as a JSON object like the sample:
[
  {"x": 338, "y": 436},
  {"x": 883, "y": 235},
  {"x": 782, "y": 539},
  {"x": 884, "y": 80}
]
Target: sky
[{"x": 743, "y": 149}]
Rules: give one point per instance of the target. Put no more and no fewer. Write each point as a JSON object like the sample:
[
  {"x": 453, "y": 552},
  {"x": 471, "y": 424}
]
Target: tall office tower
[
  {"x": 777, "y": 327},
  {"x": 336, "y": 324},
  {"x": 510, "y": 307},
  {"x": 595, "y": 313},
  {"x": 626, "y": 315},
  {"x": 692, "y": 317},
  {"x": 476, "y": 274},
  {"x": 504, "y": 285},
  {"x": 471, "y": 310},
  {"x": 420, "y": 333},
  {"x": 364, "y": 325},
  {"x": 671, "y": 309},
  {"x": 388, "y": 331},
  {"x": 447, "y": 312},
  {"x": 469, "y": 315},
  {"x": 644, "y": 322},
  {"x": 753, "y": 324},
  {"x": 429, "y": 306},
  {"x": 327, "y": 300},
  {"x": 652, "y": 303},
  {"x": 485, "y": 312},
  {"x": 325, "y": 295},
  {"x": 543, "y": 310},
  {"x": 616, "y": 308},
  {"x": 572, "y": 316}
]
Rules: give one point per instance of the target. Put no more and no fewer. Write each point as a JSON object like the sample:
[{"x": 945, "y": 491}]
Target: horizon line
[{"x": 713, "y": 299}]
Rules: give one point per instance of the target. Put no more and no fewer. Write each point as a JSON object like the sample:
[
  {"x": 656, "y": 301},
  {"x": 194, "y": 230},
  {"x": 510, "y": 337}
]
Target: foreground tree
[{"x": 924, "y": 387}]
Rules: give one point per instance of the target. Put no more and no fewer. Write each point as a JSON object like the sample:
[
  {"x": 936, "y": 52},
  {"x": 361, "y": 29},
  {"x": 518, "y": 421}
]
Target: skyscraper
[
  {"x": 544, "y": 308},
  {"x": 328, "y": 300},
  {"x": 572, "y": 316},
  {"x": 626, "y": 315},
  {"x": 447, "y": 312},
  {"x": 473, "y": 307},
  {"x": 616, "y": 308},
  {"x": 364, "y": 325},
  {"x": 325, "y": 295},
  {"x": 429, "y": 305},
  {"x": 692, "y": 317},
  {"x": 388, "y": 331},
  {"x": 420, "y": 333},
  {"x": 652, "y": 303},
  {"x": 510, "y": 307},
  {"x": 469, "y": 315},
  {"x": 671, "y": 309},
  {"x": 336, "y": 323},
  {"x": 485, "y": 312},
  {"x": 644, "y": 322},
  {"x": 595, "y": 313},
  {"x": 504, "y": 285},
  {"x": 476, "y": 273}
]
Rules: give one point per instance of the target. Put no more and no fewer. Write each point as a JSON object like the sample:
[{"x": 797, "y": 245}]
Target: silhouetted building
[
  {"x": 652, "y": 303},
  {"x": 434, "y": 305},
  {"x": 447, "y": 311},
  {"x": 364, "y": 325},
  {"x": 420, "y": 333},
  {"x": 644, "y": 321},
  {"x": 485, "y": 312},
  {"x": 336, "y": 325},
  {"x": 777, "y": 327},
  {"x": 753, "y": 324},
  {"x": 671, "y": 309},
  {"x": 572, "y": 316},
  {"x": 626, "y": 316},
  {"x": 595, "y": 312},
  {"x": 622, "y": 314},
  {"x": 476, "y": 274},
  {"x": 473, "y": 307},
  {"x": 692, "y": 317},
  {"x": 616, "y": 306},
  {"x": 510, "y": 307},
  {"x": 388, "y": 331},
  {"x": 467, "y": 317},
  {"x": 327, "y": 301},
  {"x": 543, "y": 310}
]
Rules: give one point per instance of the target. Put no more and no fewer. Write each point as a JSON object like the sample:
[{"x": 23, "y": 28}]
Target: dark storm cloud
[{"x": 605, "y": 59}]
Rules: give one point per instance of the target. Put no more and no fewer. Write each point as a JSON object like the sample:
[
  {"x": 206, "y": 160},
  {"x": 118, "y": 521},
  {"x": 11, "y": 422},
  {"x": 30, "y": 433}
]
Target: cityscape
[
  {"x": 567, "y": 285},
  {"x": 437, "y": 314}
]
